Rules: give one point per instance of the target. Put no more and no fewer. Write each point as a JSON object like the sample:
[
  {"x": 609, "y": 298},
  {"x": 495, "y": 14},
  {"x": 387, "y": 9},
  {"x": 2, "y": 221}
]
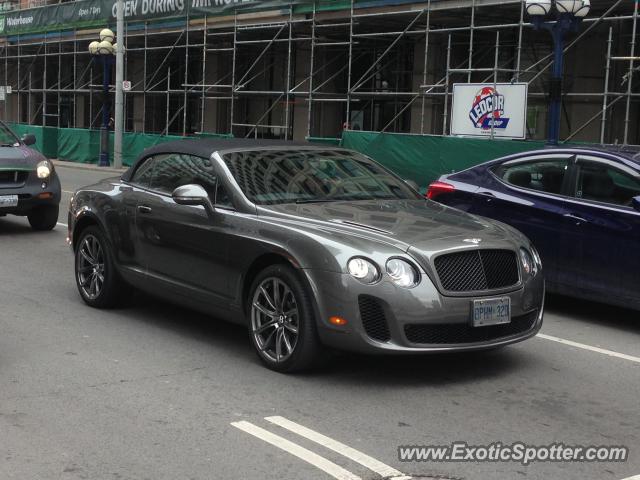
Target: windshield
[
  {"x": 7, "y": 138},
  {"x": 299, "y": 176}
]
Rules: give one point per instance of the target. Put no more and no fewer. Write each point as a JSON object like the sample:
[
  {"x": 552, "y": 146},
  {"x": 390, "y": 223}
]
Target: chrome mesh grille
[{"x": 477, "y": 270}]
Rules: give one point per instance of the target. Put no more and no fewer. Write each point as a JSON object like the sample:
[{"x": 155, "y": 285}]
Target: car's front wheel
[
  {"x": 97, "y": 279},
  {"x": 282, "y": 320},
  {"x": 44, "y": 217}
]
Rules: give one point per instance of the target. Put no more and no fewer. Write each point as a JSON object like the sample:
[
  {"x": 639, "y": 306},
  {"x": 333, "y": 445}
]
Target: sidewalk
[{"x": 87, "y": 166}]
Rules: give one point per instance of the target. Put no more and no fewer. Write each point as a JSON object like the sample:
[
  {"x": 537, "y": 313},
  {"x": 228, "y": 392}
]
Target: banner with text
[{"x": 93, "y": 12}]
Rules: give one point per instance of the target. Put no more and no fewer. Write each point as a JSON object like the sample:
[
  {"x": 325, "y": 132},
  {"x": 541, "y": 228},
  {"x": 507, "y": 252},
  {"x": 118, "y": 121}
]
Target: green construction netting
[
  {"x": 83, "y": 145},
  {"x": 323, "y": 140},
  {"x": 423, "y": 158}
]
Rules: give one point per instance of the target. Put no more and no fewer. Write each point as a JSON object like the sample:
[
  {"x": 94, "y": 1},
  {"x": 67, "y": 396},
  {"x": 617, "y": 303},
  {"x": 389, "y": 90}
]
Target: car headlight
[
  {"x": 363, "y": 270},
  {"x": 536, "y": 257},
  {"x": 43, "y": 169},
  {"x": 402, "y": 273},
  {"x": 529, "y": 266}
]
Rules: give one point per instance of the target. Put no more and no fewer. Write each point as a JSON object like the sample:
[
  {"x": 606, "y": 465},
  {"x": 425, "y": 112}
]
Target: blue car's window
[
  {"x": 542, "y": 175},
  {"x": 274, "y": 176},
  {"x": 604, "y": 183}
]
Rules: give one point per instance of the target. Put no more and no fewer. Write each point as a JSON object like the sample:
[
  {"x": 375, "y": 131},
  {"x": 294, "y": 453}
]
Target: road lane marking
[
  {"x": 327, "y": 466},
  {"x": 68, "y": 191},
  {"x": 62, "y": 224},
  {"x": 635, "y": 477},
  {"x": 357, "y": 456},
  {"x": 603, "y": 351}
]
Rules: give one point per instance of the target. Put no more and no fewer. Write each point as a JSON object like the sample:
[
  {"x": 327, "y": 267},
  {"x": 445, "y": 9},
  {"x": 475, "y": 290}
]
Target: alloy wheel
[
  {"x": 275, "y": 319},
  {"x": 90, "y": 269}
]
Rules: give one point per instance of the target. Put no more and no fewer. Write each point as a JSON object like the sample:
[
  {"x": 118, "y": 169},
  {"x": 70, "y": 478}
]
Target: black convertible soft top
[{"x": 204, "y": 147}]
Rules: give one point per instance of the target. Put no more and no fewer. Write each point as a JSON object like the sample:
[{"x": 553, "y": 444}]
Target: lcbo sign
[{"x": 481, "y": 109}]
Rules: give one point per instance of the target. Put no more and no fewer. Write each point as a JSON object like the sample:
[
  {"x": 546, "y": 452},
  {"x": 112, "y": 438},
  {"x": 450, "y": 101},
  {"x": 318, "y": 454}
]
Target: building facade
[{"x": 301, "y": 70}]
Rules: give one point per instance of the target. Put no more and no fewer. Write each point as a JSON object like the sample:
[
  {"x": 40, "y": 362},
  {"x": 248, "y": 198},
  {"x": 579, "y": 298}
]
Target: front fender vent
[{"x": 373, "y": 318}]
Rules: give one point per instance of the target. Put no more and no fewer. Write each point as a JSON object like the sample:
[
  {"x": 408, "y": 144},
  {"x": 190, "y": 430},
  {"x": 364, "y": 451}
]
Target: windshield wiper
[{"x": 315, "y": 200}]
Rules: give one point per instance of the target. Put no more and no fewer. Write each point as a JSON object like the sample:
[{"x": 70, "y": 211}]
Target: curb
[{"x": 88, "y": 166}]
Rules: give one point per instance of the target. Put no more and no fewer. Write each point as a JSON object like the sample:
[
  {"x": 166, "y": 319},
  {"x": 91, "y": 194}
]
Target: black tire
[
  {"x": 307, "y": 350},
  {"x": 113, "y": 290},
  {"x": 43, "y": 218}
]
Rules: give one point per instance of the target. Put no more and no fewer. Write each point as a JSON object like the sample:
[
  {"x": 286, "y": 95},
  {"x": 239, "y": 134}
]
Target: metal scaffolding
[{"x": 287, "y": 74}]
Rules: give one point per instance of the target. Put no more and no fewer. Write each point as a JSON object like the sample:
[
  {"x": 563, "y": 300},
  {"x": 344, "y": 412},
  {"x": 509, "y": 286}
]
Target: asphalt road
[{"x": 151, "y": 391}]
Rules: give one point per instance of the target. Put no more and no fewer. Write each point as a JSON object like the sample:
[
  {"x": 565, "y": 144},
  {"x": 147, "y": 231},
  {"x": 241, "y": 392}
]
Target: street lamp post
[
  {"x": 103, "y": 52},
  {"x": 569, "y": 15}
]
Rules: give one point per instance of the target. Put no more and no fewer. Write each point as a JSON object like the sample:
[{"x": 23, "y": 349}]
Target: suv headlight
[
  {"x": 402, "y": 273},
  {"x": 363, "y": 270},
  {"x": 43, "y": 169},
  {"x": 529, "y": 265}
]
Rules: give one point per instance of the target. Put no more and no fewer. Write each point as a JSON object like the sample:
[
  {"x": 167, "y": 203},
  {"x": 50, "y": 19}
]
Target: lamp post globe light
[
  {"x": 103, "y": 52},
  {"x": 569, "y": 14}
]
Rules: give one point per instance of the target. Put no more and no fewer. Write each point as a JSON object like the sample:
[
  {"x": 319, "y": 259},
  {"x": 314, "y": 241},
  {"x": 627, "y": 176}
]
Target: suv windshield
[
  {"x": 7, "y": 138},
  {"x": 299, "y": 176}
]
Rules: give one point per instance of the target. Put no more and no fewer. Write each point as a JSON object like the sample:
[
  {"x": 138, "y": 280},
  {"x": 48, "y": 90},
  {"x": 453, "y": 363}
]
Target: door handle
[
  {"x": 488, "y": 196},
  {"x": 575, "y": 217},
  {"x": 144, "y": 209}
]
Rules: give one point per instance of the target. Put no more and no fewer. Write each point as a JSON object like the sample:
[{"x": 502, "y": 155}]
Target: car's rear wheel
[
  {"x": 43, "y": 217},
  {"x": 282, "y": 320},
  {"x": 97, "y": 279}
]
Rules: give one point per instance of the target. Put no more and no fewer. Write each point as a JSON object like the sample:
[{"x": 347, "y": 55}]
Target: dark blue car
[{"x": 579, "y": 206}]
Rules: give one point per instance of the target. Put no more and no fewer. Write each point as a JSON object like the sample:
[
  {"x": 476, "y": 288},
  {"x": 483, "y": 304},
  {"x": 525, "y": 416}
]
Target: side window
[
  {"x": 605, "y": 183},
  {"x": 171, "y": 171},
  {"x": 542, "y": 175},
  {"x": 174, "y": 170},
  {"x": 142, "y": 175}
]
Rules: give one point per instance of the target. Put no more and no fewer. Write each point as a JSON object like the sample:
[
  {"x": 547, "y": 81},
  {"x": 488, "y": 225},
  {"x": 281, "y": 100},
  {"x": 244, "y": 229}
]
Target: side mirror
[
  {"x": 635, "y": 203},
  {"x": 28, "y": 139},
  {"x": 192, "y": 195},
  {"x": 413, "y": 185}
]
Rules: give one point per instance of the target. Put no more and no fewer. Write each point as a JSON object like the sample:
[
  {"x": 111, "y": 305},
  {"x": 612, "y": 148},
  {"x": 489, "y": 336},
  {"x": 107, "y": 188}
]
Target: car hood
[
  {"x": 20, "y": 157},
  {"x": 422, "y": 224}
]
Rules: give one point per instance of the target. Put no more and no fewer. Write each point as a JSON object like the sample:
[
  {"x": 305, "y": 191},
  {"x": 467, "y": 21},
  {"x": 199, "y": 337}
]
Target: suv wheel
[{"x": 43, "y": 218}]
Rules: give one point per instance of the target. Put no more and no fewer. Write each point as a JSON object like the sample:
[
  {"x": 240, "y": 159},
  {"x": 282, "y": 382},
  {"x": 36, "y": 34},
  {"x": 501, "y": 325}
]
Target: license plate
[
  {"x": 491, "y": 311},
  {"x": 7, "y": 201}
]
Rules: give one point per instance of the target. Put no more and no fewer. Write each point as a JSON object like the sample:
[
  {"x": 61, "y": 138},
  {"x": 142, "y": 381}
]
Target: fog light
[
  {"x": 44, "y": 185},
  {"x": 339, "y": 321}
]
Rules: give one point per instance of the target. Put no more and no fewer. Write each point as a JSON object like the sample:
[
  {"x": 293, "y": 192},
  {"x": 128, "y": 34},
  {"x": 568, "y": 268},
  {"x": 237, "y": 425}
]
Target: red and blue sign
[{"x": 487, "y": 110}]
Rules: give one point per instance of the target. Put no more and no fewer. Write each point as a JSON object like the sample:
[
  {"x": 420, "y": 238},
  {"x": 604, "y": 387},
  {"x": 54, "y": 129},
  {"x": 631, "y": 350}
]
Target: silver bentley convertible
[{"x": 309, "y": 246}]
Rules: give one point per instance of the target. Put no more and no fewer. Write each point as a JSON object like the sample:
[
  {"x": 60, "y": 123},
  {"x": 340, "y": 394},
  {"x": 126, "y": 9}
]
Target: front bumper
[
  {"x": 32, "y": 194},
  {"x": 419, "y": 319}
]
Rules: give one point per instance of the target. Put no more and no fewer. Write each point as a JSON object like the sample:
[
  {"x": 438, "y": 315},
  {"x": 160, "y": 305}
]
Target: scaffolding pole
[
  {"x": 629, "y": 77},
  {"x": 605, "y": 95}
]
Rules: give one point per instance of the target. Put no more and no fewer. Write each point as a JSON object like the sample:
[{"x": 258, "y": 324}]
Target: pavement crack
[{"x": 148, "y": 377}]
